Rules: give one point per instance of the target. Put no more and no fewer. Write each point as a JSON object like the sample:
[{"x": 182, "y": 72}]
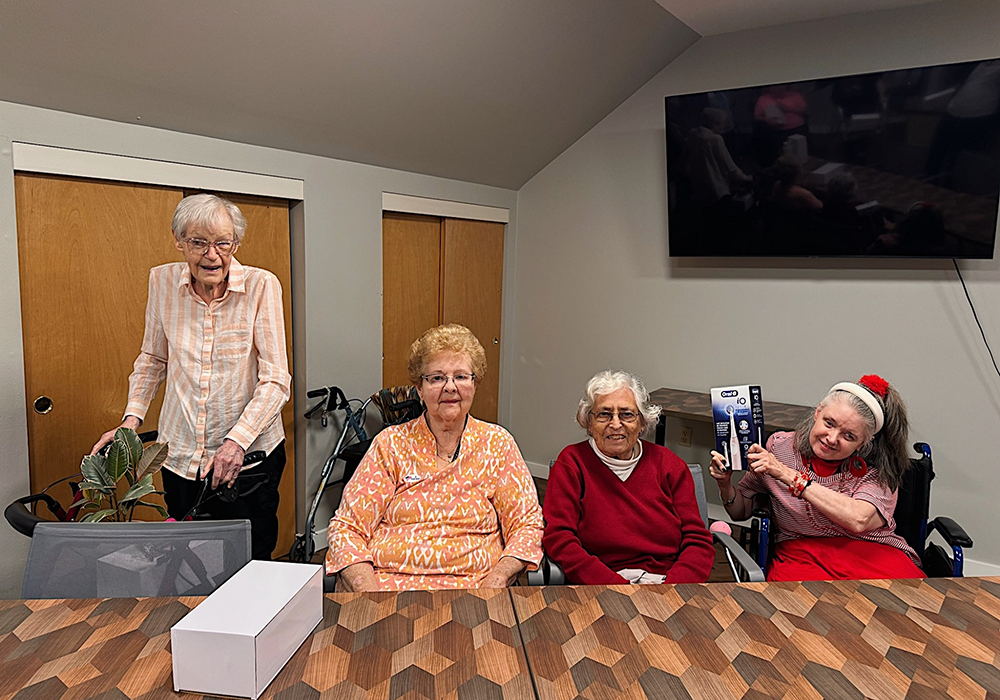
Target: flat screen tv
[{"x": 903, "y": 163}]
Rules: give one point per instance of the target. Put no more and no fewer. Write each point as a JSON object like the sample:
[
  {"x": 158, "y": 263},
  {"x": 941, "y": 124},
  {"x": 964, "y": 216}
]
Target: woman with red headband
[{"x": 833, "y": 486}]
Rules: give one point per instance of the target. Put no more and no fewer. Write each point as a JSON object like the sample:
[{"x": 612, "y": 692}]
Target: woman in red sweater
[{"x": 619, "y": 509}]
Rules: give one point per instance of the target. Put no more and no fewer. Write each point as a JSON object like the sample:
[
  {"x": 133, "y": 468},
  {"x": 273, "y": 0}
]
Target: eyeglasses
[
  {"x": 608, "y": 416},
  {"x": 440, "y": 380},
  {"x": 201, "y": 246}
]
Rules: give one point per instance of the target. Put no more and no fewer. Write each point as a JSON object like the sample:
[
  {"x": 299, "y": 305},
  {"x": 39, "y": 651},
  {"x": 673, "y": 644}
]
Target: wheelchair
[{"x": 912, "y": 524}]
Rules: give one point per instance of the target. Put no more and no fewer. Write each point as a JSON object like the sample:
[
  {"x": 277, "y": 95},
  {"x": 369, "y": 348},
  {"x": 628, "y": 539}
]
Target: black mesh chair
[
  {"x": 137, "y": 559},
  {"x": 742, "y": 565},
  {"x": 912, "y": 523}
]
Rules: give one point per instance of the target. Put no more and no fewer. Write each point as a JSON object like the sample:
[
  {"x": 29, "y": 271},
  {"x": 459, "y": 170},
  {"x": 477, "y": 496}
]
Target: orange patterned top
[{"x": 423, "y": 525}]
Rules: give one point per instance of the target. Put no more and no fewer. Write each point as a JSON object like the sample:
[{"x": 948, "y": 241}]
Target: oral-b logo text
[{"x": 731, "y": 392}]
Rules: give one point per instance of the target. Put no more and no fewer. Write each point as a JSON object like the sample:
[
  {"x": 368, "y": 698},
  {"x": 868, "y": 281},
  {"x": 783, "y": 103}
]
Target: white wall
[
  {"x": 596, "y": 288},
  {"x": 337, "y": 272}
]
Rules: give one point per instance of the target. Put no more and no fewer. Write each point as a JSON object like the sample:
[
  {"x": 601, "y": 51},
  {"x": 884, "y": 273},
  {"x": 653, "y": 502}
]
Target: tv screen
[{"x": 902, "y": 163}]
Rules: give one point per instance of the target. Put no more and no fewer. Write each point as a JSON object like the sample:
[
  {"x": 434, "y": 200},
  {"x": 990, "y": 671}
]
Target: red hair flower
[{"x": 875, "y": 384}]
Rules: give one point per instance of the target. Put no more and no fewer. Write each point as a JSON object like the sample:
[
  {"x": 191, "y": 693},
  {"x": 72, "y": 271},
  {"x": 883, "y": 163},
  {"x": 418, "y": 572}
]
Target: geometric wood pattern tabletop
[
  {"x": 936, "y": 638},
  {"x": 890, "y": 640},
  {"x": 463, "y": 645}
]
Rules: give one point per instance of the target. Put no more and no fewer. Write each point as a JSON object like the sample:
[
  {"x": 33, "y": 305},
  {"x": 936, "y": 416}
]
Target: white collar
[{"x": 621, "y": 467}]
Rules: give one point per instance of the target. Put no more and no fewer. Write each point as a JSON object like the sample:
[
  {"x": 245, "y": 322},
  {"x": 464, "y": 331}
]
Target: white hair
[
  {"x": 607, "y": 382},
  {"x": 207, "y": 210}
]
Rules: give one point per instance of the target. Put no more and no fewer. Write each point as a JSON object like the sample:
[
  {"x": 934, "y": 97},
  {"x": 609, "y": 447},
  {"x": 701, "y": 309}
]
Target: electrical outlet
[{"x": 685, "y": 440}]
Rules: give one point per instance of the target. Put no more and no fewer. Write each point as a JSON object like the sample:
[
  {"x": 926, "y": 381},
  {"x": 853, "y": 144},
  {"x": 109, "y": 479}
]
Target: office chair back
[{"x": 137, "y": 559}]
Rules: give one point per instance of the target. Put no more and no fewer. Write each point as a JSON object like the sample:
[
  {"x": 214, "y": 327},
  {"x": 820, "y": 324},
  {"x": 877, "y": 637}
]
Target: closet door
[
  {"x": 438, "y": 271},
  {"x": 411, "y": 284},
  {"x": 85, "y": 248}
]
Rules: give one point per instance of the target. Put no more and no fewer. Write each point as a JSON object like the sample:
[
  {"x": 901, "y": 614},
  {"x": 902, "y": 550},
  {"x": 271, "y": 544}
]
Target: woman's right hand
[
  {"x": 129, "y": 422},
  {"x": 722, "y": 474}
]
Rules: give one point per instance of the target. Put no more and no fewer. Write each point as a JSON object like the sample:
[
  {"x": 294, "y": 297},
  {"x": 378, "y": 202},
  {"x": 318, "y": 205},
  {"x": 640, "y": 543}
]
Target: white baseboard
[
  {"x": 980, "y": 568},
  {"x": 538, "y": 470}
]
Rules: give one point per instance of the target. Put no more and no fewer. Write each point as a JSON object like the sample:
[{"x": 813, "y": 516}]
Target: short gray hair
[
  {"x": 609, "y": 381},
  {"x": 207, "y": 210}
]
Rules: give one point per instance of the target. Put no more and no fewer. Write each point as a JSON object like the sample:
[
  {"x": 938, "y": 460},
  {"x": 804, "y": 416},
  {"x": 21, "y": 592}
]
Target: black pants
[{"x": 259, "y": 507}]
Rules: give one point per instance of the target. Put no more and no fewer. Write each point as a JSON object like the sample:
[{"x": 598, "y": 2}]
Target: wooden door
[
  {"x": 438, "y": 271},
  {"x": 85, "y": 248},
  {"x": 84, "y": 252},
  {"x": 411, "y": 270},
  {"x": 472, "y": 295}
]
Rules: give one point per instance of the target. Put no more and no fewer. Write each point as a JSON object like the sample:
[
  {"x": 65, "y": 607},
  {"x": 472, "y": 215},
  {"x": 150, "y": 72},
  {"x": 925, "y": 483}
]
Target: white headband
[{"x": 865, "y": 396}]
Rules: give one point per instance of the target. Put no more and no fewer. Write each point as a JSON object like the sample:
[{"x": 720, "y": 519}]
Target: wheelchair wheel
[{"x": 302, "y": 549}]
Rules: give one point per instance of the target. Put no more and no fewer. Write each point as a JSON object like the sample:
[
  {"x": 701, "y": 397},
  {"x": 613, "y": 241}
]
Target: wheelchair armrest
[
  {"x": 22, "y": 519},
  {"x": 329, "y": 583},
  {"x": 548, "y": 574},
  {"x": 743, "y": 561},
  {"x": 952, "y": 532}
]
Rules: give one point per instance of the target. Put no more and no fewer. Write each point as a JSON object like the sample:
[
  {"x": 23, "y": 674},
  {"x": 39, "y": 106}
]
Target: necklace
[{"x": 458, "y": 447}]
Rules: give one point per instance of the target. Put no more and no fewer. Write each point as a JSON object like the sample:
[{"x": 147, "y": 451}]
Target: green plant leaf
[
  {"x": 95, "y": 471},
  {"x": 90, "y": 505},
  {"x": 152, "y": 459},
  {"x": 159, "y": 509},
  {"x": 99, "y": 515},
  {"x": 133, "y": 442},
  {"x": 141, "y": 488},
  {"x": 118, "y": 459},
  {"x": 129, "y": 478}
]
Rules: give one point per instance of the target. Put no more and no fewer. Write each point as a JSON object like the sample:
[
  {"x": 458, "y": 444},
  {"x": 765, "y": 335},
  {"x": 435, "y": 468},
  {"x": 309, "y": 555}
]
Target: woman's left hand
[
  {"x": 503, "y": 574},
  {"x": 761, "y": 461}
]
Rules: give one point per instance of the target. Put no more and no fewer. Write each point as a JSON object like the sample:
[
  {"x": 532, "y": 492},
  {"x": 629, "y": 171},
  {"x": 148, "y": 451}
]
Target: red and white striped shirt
[
  {"x": 796, "y": 517},
  {"x": 225, "y": 365}
]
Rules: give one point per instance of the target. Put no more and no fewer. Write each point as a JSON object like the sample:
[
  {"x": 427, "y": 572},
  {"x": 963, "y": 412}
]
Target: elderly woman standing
[
  {"x": 833, "y": 486},
  {"x": 445, "y": 500},
  {"x": 619, "y": 509},
  {"x": 215, "y": 333}
]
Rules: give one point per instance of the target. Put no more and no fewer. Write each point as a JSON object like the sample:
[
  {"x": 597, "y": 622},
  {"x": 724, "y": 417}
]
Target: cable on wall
[{"x": 975, "y": 315}]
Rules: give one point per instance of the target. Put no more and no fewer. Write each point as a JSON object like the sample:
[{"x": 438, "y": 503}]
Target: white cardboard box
[{"x": 242, "y": 635}]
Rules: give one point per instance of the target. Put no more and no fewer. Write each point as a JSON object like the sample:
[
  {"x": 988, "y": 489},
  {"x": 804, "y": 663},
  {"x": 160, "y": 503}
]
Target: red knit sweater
[{"x": 597, "y": 524}]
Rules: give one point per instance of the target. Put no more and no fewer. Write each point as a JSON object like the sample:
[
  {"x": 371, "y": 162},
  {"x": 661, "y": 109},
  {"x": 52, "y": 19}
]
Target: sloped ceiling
[
  {"x": 476, "y": 90},
  {"x": 708, "y": 17},
  {"x": 486, "y": 91}
]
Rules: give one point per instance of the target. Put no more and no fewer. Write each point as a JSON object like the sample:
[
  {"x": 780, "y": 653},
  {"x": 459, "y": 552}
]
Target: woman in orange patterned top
[{"x": 445, "y": 500}]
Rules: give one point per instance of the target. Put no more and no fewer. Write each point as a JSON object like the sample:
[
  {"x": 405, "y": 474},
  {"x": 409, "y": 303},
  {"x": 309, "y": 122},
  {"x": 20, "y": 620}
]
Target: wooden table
[
  {"x": 851, "y": 639},
  {"x": 697, "y": 406},
  {"x": 446, "y": 644},
  {"x": 854, "y": 639}
]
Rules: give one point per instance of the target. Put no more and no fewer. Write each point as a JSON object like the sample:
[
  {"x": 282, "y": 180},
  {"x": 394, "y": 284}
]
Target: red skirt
[{"x": 838, "y": 558}]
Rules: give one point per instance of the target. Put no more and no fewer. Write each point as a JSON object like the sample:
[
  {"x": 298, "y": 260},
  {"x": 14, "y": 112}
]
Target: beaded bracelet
[{"x": 799, "y": 484}]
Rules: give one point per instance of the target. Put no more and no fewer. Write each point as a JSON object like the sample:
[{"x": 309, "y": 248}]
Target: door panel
[
  {"x": 85, "y": 248},
  {"x": 411, "y": 270},
  {"x": 473, "y": 296}
]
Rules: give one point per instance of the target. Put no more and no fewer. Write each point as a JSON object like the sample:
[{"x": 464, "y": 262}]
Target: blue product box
[{"x": 738, "y": 414}]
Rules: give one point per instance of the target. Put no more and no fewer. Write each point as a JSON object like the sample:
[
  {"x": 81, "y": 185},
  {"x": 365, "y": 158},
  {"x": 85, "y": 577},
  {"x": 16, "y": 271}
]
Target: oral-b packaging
[{"x": 738, "y": 414}]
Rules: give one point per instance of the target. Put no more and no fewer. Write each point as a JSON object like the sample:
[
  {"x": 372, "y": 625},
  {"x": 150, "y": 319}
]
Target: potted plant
[{"x": 127, "y": 459}]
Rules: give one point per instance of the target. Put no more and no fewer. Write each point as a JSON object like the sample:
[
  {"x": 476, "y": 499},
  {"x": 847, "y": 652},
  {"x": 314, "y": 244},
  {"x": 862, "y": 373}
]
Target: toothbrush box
[{"x": 738, "y": 408}]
